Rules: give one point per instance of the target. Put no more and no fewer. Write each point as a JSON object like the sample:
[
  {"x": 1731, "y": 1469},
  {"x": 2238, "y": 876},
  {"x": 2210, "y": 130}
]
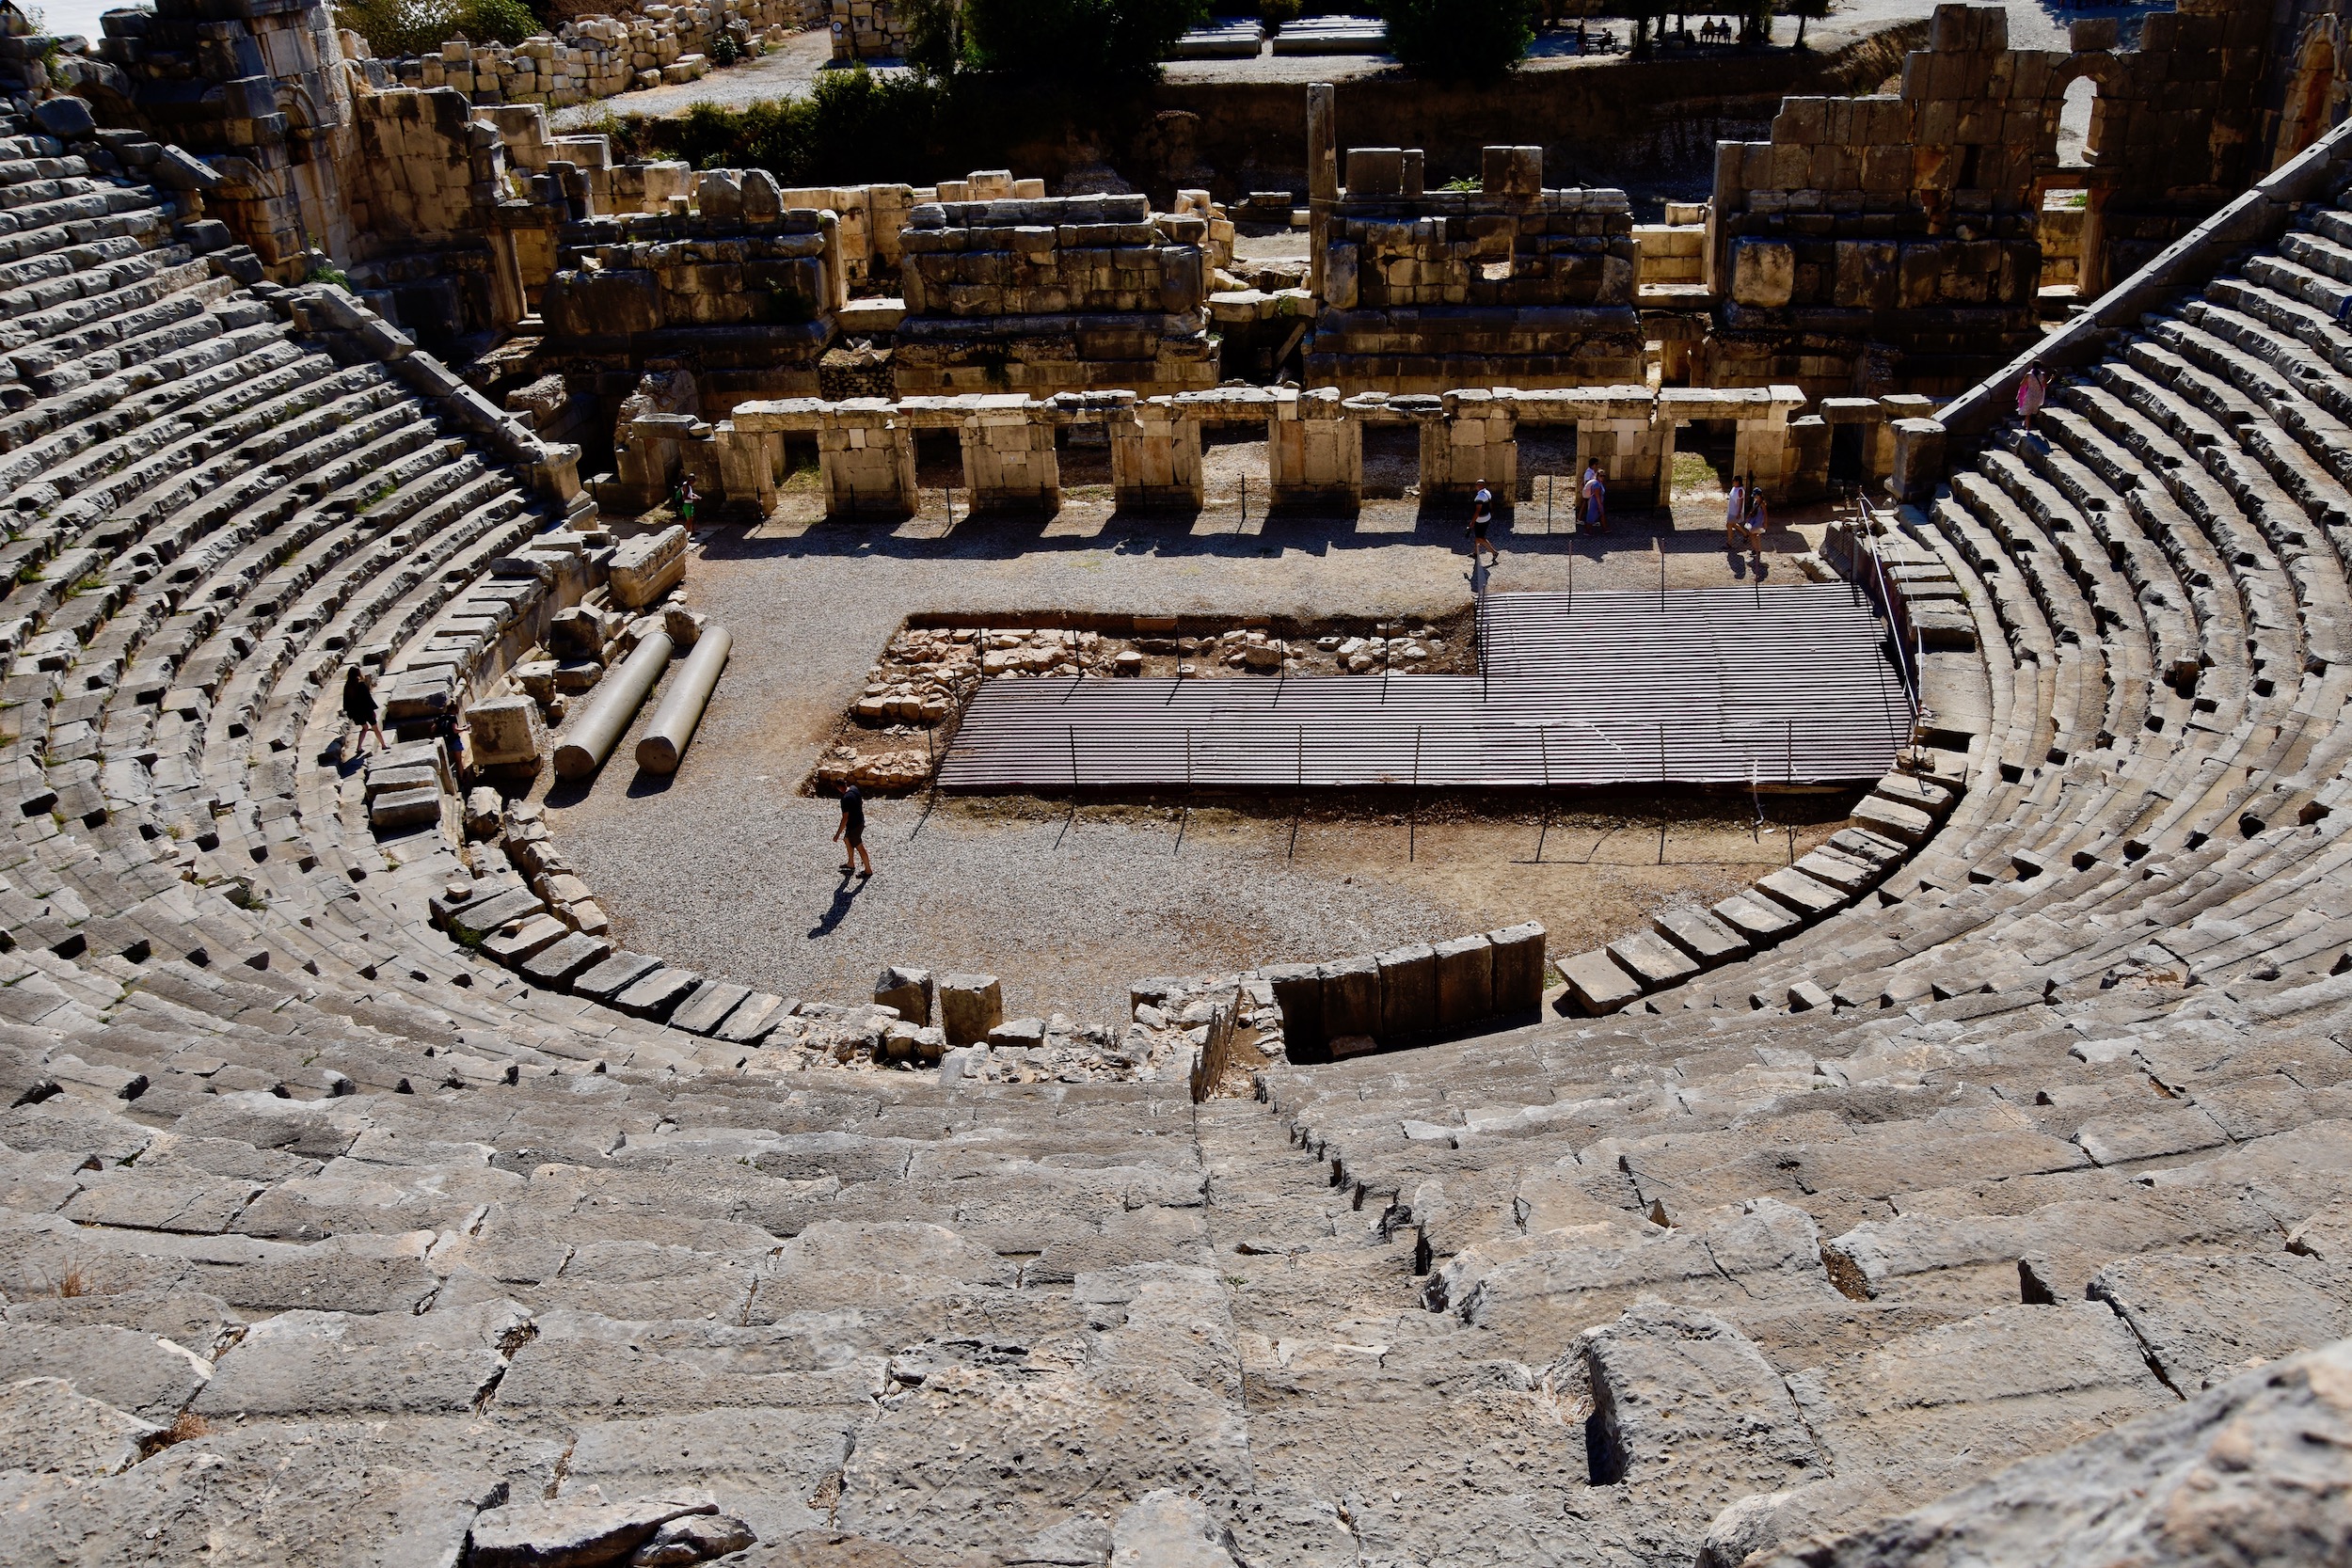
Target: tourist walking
[
  {"x": 451, "y": 730},
  {"x": 359, "y": 707},
  {"x": 1752, "y": 524},
  {"x": 1735, "y": 514},
  {"x": 2033, "y": 390},
  {"x": 1482, "y": 519},
  {"x": 850, "y": 835},
  {"x": 686, "y": 500},
  {"x": 1594, "y": 494}
]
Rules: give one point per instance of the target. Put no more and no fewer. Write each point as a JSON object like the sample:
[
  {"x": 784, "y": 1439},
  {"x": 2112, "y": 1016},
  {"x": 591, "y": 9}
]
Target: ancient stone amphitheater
[{"x": 1989, "y": 1202}]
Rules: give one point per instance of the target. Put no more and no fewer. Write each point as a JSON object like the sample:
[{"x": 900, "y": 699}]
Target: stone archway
[{"x": 2072, "y": 186}]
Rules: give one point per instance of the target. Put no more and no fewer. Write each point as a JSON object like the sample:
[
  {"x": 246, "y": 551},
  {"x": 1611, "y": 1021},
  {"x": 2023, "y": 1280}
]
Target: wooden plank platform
[{"x": 1773, "y": 686}]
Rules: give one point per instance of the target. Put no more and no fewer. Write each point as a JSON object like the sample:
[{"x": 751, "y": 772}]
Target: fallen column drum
[
  {"x": 674, "y": 722},
  {"x": 615, "y": 702}
]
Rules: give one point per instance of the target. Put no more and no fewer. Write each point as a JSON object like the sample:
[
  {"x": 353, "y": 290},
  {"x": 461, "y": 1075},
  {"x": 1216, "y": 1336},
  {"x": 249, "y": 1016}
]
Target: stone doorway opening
[
  {"x": 1548, "y": 475},
  {"x": 1391, "y": 460}
]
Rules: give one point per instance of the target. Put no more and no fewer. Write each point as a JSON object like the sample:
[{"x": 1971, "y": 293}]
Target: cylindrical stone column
[
  {"x": 665, "y": 739},
  {"x": 616, "y": 699}
]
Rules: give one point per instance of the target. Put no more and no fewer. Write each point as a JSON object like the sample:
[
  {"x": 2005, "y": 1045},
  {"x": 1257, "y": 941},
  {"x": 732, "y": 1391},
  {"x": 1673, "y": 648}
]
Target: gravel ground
[
  {"x": 787, "y": 71},
  {"x": 727, "y": 867}
]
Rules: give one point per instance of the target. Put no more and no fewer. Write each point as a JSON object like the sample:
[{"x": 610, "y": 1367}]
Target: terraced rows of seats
[
  {"x": 315, "y": 1232},
  {"x": 2070, "y": 1139}
]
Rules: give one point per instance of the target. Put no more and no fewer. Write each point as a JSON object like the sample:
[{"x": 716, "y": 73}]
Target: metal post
[
  {"x": 1412, "y": 831},
  {"x": 1299, "y": 792},
  {"x": 1543, "y": 747},
  {"x": 1184, "y": 815}
]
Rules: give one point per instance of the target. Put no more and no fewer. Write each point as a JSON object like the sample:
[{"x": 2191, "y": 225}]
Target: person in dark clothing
[
  {"x": 359, "y": 707},
  {"x": 450, "y": 730},
  {"x": 851, "y": 835},
  {"x": 1482, "y": 519}
]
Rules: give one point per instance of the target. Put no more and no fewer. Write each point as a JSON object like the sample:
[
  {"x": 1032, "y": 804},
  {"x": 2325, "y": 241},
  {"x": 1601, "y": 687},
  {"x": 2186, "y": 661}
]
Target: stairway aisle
[{"x": 1380, "y": 1432}]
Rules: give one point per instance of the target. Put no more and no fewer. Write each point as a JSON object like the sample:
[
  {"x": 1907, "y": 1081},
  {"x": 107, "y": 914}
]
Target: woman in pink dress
[{"x": 2033, "y": 390}]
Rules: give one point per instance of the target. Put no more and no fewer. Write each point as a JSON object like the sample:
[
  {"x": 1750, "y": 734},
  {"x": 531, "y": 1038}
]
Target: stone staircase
[{"x": 317, "y": 1230}]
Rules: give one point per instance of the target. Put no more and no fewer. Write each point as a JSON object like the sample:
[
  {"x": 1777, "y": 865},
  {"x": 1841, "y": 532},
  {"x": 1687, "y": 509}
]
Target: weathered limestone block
[
  {"x": 506, "y": 731},
  {"x": 2252, "y": 1467},
  {"x": 1519, "y": 968},
  {"x": 1474, "y": 444},
  {"x": 647, "y": 566},
  {"x": 969, "y": 1007},
  {"x": 1683, "y": 1399},
  {"x": 1351, "y": 998},
  {"x": 1763, "y": 272},
  {"x": 1466, "y": 980},
  {"x": 1512, "y": 171},
  {"x": 1919, "y": 457},
  {"x": 909, "y": 991},
  {"x": 1298, "y": 994},
  {"x": 1314, "y": 452},
  {"x": 1155, "y": 458},
  {"x": 1010, "y": 459},
  {"x": 866, "y": 457},
  {"x": 1408, "y": 992}
]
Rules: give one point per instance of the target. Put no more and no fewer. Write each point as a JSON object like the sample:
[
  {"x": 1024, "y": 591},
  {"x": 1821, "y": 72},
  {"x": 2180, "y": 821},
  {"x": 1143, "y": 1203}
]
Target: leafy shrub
[
  {"x": 1078, "y": 44},
  {"x": 1277, "y": 14},
  {"x": 934, "y": 35},
  {"x": 1459, "y": 40},
  {"x": 394, "y": 29},
  {"x": 725, "y": 51}
]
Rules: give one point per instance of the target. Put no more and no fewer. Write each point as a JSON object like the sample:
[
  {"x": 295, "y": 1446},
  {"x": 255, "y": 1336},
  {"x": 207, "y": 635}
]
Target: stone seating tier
[{"x": 318, "y": 1227}]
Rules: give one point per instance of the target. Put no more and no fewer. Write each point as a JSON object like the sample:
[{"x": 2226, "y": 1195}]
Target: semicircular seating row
[{"x": 317, "y": 1230}]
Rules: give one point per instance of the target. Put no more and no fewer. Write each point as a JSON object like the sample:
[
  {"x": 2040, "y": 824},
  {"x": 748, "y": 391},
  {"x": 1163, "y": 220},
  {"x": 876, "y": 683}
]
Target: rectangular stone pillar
[
  {"x": 1896, "y": 406},
  {"x": 1009, "y": 462},
  {"x": 1805, "y": 475},
  {"x": 865, "y": 457},
  {"x": 1618, "y": 427},
  {"x": 1919, "y": 453},
  {"x": 1314, "y": 450},
  {"x": 1761, "y": 442},
  {"x": 1155, "y": 458},
  {"x": 1475, "y": 443},
  {"x": 1322, "y": 178},
  {"x": 747, "y": 469}
]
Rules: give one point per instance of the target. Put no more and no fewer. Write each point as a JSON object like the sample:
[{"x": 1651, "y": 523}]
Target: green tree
[
  {"x": 1078, "y": 44},
  {"x": 934, "y": 35},
  {"x": 1459, "y": 40},
  {"x": 1807, "y": 11}
]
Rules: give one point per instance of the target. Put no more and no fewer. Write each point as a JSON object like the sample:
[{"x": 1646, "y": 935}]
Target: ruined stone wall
[
  {"x": 1512, "y": 284},
  {"x": 1884, "y": 242},
  {"x": 258, "y": 88},
  {"x": 600, "y": 56},
  {"x": 867, "y": 29},
  {"x": 1050, "y": 294},
  {"x": 1315, "y": 443},
  {"x": 742, "y": 290},
  {"x": 2309, "y": 82}
]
